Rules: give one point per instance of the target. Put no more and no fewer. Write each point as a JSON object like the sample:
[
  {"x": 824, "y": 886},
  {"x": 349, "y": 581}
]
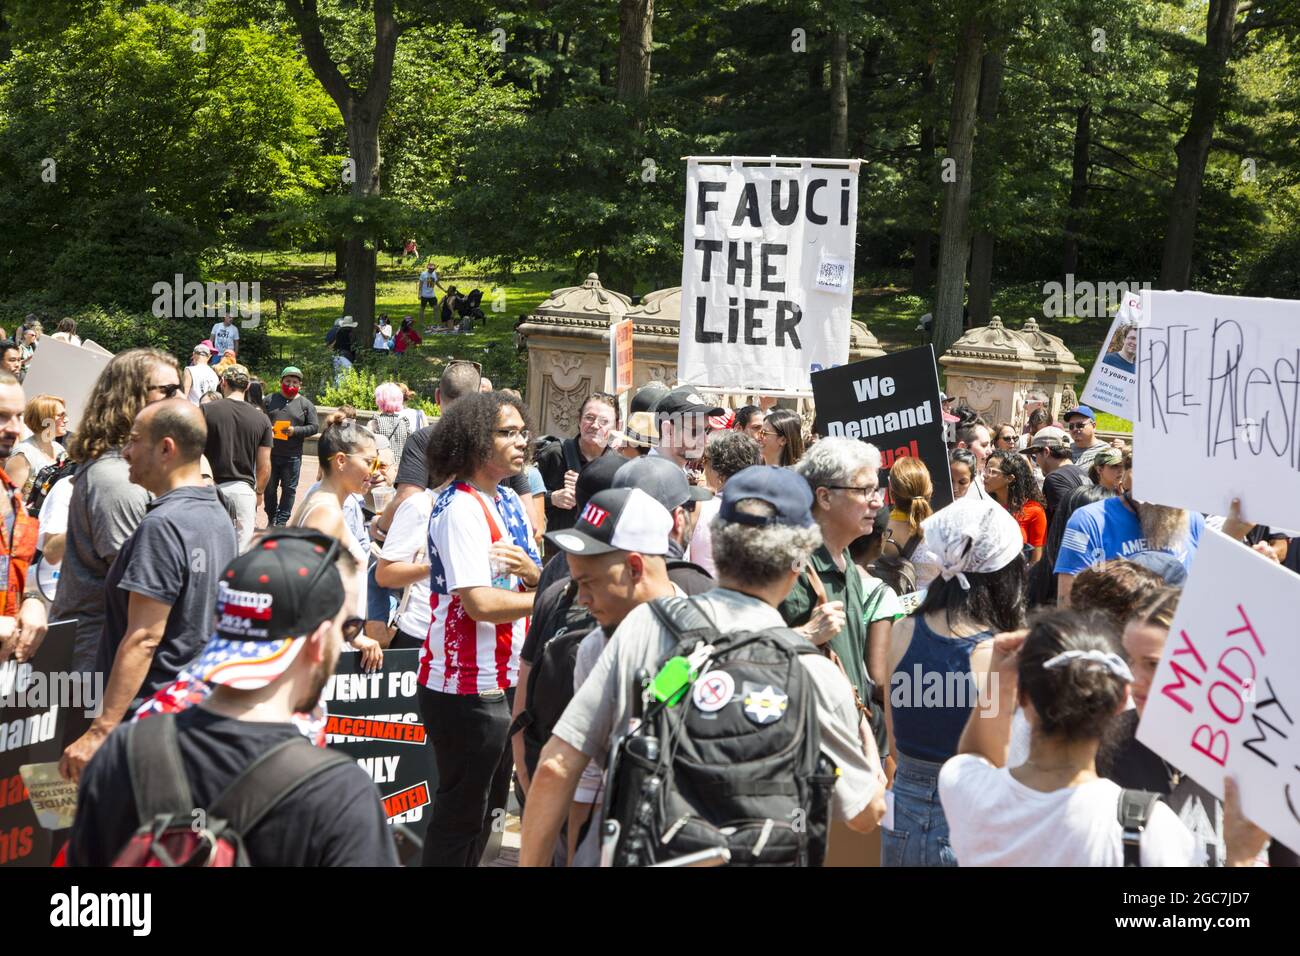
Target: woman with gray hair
[
  {"x": 726, "y": 454},
  {"x": 827, "y": 603}
]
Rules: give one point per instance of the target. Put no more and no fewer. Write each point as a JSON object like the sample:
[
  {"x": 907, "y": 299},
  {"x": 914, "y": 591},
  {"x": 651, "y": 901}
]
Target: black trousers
[{"x": 469, "y": 737}]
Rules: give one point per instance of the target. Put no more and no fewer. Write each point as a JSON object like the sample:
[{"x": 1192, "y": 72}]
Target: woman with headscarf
[{"x": 974, "y": 547}]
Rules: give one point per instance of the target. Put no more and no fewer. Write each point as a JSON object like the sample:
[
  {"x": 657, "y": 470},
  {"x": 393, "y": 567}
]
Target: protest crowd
[{"x": 685, "y": 633}]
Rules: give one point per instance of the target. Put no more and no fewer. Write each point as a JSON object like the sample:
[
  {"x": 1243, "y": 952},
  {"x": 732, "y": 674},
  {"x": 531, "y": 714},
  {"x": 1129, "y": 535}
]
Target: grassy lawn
[{"x": 314, "y": 299}]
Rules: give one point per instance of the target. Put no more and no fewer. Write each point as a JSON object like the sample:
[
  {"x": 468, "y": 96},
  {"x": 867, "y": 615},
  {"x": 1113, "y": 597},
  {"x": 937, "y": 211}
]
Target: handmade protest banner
[
  {"x": 620, "y": 356},
  {"x": 767, "y": 271},
  {"x": 1217, "y": 410},
  {"x": 1114, "y": 374},
  {"x": 37, "y": 698},
  {"x": 893, "y": 402},
  {"x": 1225, "y": 699},
  {"x": 374, "y": 717}
]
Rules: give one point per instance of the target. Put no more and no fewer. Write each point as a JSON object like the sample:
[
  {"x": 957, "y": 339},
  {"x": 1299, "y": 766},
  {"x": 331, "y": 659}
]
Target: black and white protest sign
[
  {"x": 767, "y": 272},
  {"x": 1217, "y": 405},
  {"x": 375, "y": 718},
  {"x": 37, "y": 700},
  {"x": 893, "y": 402}
]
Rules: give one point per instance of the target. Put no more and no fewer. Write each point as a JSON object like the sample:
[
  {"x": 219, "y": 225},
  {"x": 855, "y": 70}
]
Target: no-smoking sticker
[{"x": 713, "y": 691}]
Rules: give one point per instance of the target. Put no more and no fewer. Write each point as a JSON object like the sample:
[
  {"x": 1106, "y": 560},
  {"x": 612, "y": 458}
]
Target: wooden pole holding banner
[{"x": 778, "y": 161}]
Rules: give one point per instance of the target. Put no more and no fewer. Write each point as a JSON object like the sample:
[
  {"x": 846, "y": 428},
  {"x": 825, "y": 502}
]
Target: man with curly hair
[{"x": 483, "y": 566}]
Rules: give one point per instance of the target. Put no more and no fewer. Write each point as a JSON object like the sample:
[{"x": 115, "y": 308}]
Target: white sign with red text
[{"x": 1226, "y": 696}]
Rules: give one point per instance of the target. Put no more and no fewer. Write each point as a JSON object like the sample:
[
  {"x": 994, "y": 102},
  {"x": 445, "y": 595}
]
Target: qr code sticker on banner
[{"x": 833, "y": 274}]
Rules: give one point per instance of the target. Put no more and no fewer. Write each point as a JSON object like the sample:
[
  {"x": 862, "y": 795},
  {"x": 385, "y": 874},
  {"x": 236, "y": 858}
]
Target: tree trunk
[
  {"x": 981, "y": 260},
  {"x": 361, "y": 111},
  {"x": 839, "y": 141},
  {"x": 340, "y": 257},
  {"x": 361, "y": 256},
  {"x": 1194, "y": 146},
  {"x": 980, "y": 308},
  {"x": 635, "y": 35},
  {"x": 1078, "y": 189},
  {"x": 923, "y": 236},
  {"x": 954, "y": 223}
]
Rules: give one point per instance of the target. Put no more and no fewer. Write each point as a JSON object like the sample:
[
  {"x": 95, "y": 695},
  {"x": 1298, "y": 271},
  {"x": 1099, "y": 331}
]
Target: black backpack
[
  {"x": 568, "y": 447},
  {"x": 894, "y": 567},
  {"x": 172, "y": 832},
  {"x": 46, "y": 479},
  {"x": 1135, "y": 807},
  {"x": 550, "y": 681},
  {"x": 734, "y": 768}
]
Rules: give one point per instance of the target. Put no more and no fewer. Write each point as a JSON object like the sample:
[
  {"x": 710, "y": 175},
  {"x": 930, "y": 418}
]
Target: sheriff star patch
[{"x": 766, "y": 705}]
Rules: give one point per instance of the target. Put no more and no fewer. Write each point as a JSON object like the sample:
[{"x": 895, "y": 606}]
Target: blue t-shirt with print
[{"x": 1106, "y": 530}]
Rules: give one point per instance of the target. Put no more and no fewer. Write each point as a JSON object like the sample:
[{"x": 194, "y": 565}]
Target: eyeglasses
[
  {"x": 867, "y": 491},
  {"x": 592, "y": 419},
  {"x": 353, "y": 626},
  {"x": 167, "y": 390},
  {"x": 514, "y": 434}
]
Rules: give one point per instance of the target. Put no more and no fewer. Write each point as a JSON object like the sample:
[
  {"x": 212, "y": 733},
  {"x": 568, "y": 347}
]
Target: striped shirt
[{"x": 460, "y": 655}]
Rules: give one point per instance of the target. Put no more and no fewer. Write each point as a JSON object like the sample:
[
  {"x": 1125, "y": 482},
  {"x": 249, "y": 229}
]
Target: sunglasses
[
  {"x": 375, "y": 464},
  {"x": 1077, "y": 426},
  {"x": 352, "y": 626},
  {"x": 168, "y": 390}
]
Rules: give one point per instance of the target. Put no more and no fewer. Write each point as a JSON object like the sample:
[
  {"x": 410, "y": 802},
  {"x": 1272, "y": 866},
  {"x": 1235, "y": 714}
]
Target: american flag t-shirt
[{"x": 460, "y": 655}]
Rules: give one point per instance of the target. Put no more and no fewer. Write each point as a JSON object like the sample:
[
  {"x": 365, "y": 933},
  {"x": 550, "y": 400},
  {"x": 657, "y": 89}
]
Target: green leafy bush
[{"x": 357, "y": 388}]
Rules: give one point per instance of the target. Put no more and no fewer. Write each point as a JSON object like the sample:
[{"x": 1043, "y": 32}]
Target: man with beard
[
  {"x": 1121, "y": 527},
  {"x": 282, "y": 618}
]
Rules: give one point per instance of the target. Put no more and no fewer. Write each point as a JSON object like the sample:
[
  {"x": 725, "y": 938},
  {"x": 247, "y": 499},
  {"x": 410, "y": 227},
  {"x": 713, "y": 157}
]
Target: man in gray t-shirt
[
  {"x": 160, "y": 593},
  {"x": 764, "y": 528},
  {"x": 104, "y": 511}
]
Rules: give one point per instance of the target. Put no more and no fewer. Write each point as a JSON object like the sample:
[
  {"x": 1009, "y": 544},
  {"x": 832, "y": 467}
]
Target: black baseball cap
[
  {"x": 647, "y": 398},
  {"x": 685, "y": 400},
  {"x": 781, "y": 488},
  {"x": 597, "y": 477},
  {"x": 267, "y": 600},
  {"x": 618, "y": 519},
  {"x": 662, "y": 480}
]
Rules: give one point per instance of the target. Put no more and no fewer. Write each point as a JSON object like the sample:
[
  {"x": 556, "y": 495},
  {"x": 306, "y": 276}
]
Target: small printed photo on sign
[{"x": 1114, "y": 375}]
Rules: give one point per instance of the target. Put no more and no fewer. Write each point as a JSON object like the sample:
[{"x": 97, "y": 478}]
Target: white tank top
[
  {"x": 202, "y": 381},
  {"x": 354, "y": 548}
]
